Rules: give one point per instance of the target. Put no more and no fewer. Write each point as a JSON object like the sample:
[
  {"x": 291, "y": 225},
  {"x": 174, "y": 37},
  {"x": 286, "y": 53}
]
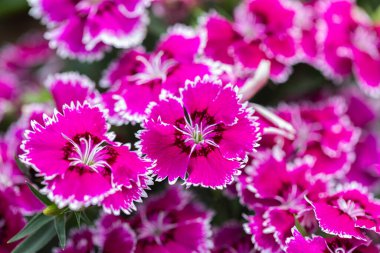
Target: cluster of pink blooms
[{"x": 305, "y": 171}]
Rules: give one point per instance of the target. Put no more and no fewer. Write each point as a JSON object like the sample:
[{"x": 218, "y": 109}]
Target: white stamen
[{"x": 156, "y": 68}]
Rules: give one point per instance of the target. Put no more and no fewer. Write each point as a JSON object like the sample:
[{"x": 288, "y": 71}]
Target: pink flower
[
  {"x": 344, "y": 50},
  {"x": 229, "y": 43},
  {"x": 174, "y": 11},
  {"x": 347, "y": 212},
  {"x": 151, "y": 76},
  {"x": 74, "y": 149},
  {"x": 269, "y": 32},
  {"x": 30, "y": 58},
  {"x": 80, "y": 241},
  {"x": 231, "y": 237},
  {"x": 110, "y": 234},
  {"x": 282, "y": 200},
  {"x": 83, "y": 29},
  {"x": 323, "y": 131},
  {"x": 318, "y": 244},
  {"x": 11, "y": 222},
  {"x": 172, "y": 222},
  {"x": 9, "y": 92},
  {"x": 197, "y": 137},
  {"x": 72, "y": 87}
]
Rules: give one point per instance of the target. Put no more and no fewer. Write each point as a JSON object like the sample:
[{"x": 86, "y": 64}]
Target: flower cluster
[{"x": 264, "y": 167}]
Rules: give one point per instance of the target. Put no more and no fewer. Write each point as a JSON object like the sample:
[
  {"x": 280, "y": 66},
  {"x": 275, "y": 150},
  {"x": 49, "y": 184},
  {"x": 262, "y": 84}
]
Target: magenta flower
[
  {"x": 83, "y": 29},
  {"x": 282, "y": 201},
  {"x": 345, "y": 51},
  {"x": 323, "y": 131},
  {"x": 319, "y": 244},
  {"x": 11, "y": 222},
  {"x": 347, "y": 212},
  {"x": 109, "y": 235},
  {"x": 30, "y": 58},
  {"x": 113, "y": 234},
  {"x": 269, "y": 31},
  {"x": 307, "y": 20},
  {"x": 231, "y": 238},
  {"x": 81, "y": 151},
  {"x": 80, "y": 241},
  {"x": 9, "y": 92},
  {"x": 197, "y": 137},
  {"x": 72, "y": 87},
  {"x": 151, "y": 76},
  {"x": 172, "y": 222}
]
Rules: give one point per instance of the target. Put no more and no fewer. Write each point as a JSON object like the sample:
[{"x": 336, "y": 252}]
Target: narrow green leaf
[
  {"x": 77, "y": 217},
  {"x": 33, "y": 225},
  {"x": 37, "y": 240},
  {"x": 38, "y": 195},
  {"x": 85, "y": 218},
  {"x": 60, "y": 228},
  {"x": 300, "y": 228}
]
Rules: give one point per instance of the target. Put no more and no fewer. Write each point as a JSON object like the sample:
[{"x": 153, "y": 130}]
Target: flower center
[
  {"x": 155, "y": 229},
  {"x": 87, "y": 151},
  {"x": 156, "y": 68},
  {"x": 350, "y": 208}
]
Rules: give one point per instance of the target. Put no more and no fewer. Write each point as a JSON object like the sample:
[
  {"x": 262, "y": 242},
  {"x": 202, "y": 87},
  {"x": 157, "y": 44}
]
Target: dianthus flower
[
  {"x": 79, "y": 152},
  {"x": 172, "y": 222},
  {"x": 344, "y": 48},
  {"x": 197, "y": 137},
  {"x": 149, "y": 75},
  {"x": 9, "y": 92},
  {"x": 110, "y": 235},
  {"x": 231, "y": 237},
  {"x": 347, "y": 212},
  {"x": 72, "y": 87},
  {"x": 83, "y": 29},
  {"x": 11, "y": 222},
  {"x": 256, "y": 34},
  {"x": 323, "y": 131},
  {"x": 279, "y": 203},
  {"x": 319, "y": 244}
]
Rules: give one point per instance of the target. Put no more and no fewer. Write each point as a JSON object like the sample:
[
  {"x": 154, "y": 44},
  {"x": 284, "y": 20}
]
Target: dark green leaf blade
[
  {"x": 77, "y": 217},
  {"x": 60, "y": 228},
  {"x": 37, "y": 240},
  {"x": 33, "y": 225},
  {"x": 38, "y": 195}
]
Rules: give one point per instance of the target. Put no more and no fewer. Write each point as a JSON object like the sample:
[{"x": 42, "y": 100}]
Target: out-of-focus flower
[
  {"x": 11, "y": 222},
  {"x": 80, "y": 241},
  {"x": 80, "y": 163},
  {"x": 174, "y": 11},
  {"x": 318, "y": 244},
  {"x": 9, "y": 92},
  {"x": 282, "y": 201},
  {"x": 344, "y": 47},
  {"x": 110, "y": 235},
  {"x": 149, "y": 76},
  {"x": 172, "y": 222},
  {"x": 197, "y": 137},
  {"x": 72, "y": 87},
  {"x": 322, "y": 130},
  {"x": 83, "y": 29},
  {"x": 232, "y": 238},
  {"x": 347, "y": 212}
]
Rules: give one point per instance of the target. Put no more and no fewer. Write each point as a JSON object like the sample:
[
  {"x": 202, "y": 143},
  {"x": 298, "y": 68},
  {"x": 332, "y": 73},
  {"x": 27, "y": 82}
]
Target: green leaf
[
  {"x": 38, "y": 195},
  {"x": 77, "y": 217},
  {"x": 60, "y": 228},
  {"x": 37, "y": 240},
  {"x": 85, "y": 218},
  {"x": 300, "y": 228},
  {"x": 33, "y": 225}
]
